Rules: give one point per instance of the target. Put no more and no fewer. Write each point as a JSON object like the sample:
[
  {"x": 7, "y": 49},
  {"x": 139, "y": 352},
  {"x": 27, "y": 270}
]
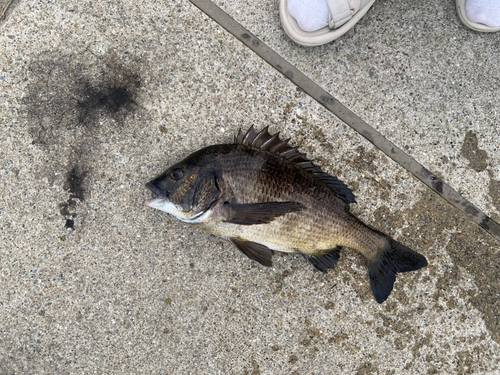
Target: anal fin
[
  {"x": 324, "y": 262},
  {"x": 254, "y": 251}
]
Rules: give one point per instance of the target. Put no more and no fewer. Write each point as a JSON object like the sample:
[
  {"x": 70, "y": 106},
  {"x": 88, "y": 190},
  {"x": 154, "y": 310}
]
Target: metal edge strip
[{"x": 347, "y": 116}]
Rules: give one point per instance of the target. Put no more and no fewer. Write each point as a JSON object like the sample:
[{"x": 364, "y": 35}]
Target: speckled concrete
[{"x": 98, "y": 97}]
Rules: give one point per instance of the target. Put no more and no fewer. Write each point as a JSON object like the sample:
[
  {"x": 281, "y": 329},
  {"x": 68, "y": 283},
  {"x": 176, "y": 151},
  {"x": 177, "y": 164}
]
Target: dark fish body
[{"x": 264, "y": 195}]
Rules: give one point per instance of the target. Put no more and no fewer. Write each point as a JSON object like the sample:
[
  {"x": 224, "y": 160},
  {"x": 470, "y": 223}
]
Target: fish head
[{"x": 186, "y": 191}]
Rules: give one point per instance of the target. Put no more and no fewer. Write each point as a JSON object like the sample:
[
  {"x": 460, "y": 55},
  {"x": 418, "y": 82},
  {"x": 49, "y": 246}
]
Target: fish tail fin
[{"x": 393, "y": 259}]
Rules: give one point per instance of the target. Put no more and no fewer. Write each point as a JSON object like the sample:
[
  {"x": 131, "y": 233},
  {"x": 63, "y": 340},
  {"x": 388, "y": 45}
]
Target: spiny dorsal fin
[
  {"x": 272, "y": 143},
  {"x": 268, "y": 142}
]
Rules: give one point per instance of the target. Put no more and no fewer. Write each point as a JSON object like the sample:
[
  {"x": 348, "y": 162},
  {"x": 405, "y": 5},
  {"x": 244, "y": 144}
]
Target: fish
[{"x": 264, "y": 195}]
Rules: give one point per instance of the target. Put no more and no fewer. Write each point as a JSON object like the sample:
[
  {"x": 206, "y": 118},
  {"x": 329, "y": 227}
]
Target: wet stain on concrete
[
  {"x": 478, "y": 159},
  {"x": 71, "y": 92},
  {"x": 75, "y": 183},
  {"x": 338, "y": 339},
  {"x": 68, "y": 210},
  {"x": 255, "y": 369},
  {"x": 430, "y": 220},
  {"x": 70, "y": 223},
  {"x": 494, "y": 190},
  {"x": 73, "y": 101},
  {"x": 366, "y": 368},
  {"x": 107, "y": 99}
]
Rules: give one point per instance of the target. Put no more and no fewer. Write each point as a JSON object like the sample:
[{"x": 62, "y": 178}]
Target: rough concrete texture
[{"x": 96, "y": 98}]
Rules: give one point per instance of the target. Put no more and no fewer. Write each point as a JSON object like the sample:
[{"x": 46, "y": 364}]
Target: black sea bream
[{"x": 264, "y": 195}]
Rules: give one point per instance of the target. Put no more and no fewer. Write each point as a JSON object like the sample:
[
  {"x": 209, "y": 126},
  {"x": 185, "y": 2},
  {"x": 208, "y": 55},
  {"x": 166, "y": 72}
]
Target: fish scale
[
  {"x": 314, "y": 230},
  {"x": 263, "y": 194}
]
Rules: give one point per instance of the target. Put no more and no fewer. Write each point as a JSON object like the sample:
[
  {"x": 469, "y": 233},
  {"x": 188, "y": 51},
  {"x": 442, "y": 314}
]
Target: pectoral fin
[
  {"x": 324, "y": 262},
  {"x": 254, "y": 251},
  {"x": 258, "y": 213}
]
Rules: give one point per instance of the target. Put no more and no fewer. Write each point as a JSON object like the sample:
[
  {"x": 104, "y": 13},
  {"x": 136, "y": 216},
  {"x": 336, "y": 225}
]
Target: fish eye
[{"x": 177, "y": 174}]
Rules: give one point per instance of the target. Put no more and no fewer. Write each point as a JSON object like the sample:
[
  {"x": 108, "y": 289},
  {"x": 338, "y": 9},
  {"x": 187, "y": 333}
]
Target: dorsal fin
[{"x": 272, "y": 143}]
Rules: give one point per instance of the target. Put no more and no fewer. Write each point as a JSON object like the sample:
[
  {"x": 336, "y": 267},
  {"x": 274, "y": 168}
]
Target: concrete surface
[{"x": 96, "y": 98}]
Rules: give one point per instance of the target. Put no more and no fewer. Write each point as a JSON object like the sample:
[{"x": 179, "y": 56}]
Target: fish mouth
[{"x": 158, "y": 192}]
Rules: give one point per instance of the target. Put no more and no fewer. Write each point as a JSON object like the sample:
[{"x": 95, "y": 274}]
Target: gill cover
[{"x": 186, "y": 191}]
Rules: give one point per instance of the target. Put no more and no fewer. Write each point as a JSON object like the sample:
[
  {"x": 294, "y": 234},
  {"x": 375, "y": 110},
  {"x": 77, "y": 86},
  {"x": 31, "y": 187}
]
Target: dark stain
[
  {"x": 364, "y": 160},
  {"x": 64, "y": 209},
  {"x": 327, "y": 99},
  {"x": 494, "y": 190},
  {"x": 366, "y": 368},
  {"x": 106, "y": 99},
  {"x": 421, "y": 343},
  {"x": 339, "y": 338},
  {"x": 425, "y": 173},
  {"x": 485, "y": 222},
  {"x": 68, "y": 210},
  {"x": 72, "y": 101},
  {"x": 245, "y": 36},
  {"x": 478, "y": 159},
  {"x": 435, "y": 181},
  {"x": 69, "y": 224},
  {"x": 75, "y": 183},
  {"x": 330, "y": 305},
  {"x": 382, "y": 332},
  {"x": 312, "y": 335},
  {"x": 439, "y": 186},
  {"x": 471, "y": 210},
  {"x": 255, "y": 43},
  {"x": 255, "y": 369},
  {"x": 77, "y": 91}
]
